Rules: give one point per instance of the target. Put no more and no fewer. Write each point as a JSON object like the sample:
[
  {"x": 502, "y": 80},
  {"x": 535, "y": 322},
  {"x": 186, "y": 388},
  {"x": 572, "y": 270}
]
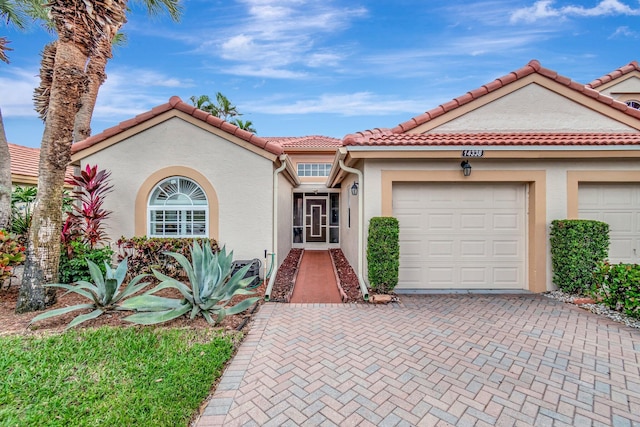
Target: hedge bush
[
  {"x": 383, "y": 253},
  {"x": 577, "y": 247},
  {"x": 145, "y": 253},
  {"x": 73, "y": 261},
  {"x": 618, "y": 287}
]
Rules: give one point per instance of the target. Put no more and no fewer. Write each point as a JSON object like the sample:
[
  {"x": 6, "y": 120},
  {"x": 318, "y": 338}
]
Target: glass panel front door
[{"x": 316, "y": 220}]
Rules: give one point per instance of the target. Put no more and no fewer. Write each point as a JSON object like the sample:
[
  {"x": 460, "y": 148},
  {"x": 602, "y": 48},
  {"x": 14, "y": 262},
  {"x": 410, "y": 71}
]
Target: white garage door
[
  {"x": 619, "y": 206},
  {"x": 461, "y": 236}
]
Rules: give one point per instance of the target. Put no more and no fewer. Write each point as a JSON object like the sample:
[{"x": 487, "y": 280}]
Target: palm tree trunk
[
  {"x": 5, "y": 179},
  {"x": 43, "y": 251},
  {"x": 96, "y": 76}
]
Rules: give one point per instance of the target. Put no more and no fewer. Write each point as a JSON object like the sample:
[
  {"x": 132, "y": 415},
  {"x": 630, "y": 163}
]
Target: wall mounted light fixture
[
  {"x": 466, "y": 168},
  {"x": 354, "y": 188}
]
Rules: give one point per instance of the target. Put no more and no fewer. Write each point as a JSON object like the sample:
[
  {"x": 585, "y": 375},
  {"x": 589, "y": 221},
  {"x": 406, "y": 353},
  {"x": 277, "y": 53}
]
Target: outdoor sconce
[
  {"x": 466, "y": 168},
  {"x": 354, "y": 188}
]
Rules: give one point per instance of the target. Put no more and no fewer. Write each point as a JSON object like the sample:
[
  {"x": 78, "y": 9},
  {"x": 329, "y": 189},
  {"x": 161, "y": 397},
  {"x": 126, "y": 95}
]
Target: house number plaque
[{"x": 472, "y": 153}]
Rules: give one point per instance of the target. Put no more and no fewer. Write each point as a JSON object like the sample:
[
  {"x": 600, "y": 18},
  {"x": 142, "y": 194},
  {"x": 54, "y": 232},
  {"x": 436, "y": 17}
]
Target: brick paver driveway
[{"x": 463, "y": 360}]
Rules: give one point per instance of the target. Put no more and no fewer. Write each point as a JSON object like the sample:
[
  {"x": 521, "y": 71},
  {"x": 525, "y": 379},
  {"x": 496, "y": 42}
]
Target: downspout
[
  {"x": 363, "y": 286},
  {"x": 274, "y": 227}
]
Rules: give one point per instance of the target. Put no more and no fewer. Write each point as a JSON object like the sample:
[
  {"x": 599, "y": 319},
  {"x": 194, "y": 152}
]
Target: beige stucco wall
[
  {"x": 554, "y": 192},
  {"x": 285, "y": 218},
  {"x": 349, "y": 235},
  {"x": 536, "y": 109},
  {"x": 630, "y": 85},
  {"x": 242, "y": 181}
]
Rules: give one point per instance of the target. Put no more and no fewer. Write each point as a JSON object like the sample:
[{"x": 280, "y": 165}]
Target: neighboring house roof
[
  {"x": 391, "y": 136},
  {"x": 25, "y": 163},
  {"x": 310, "y": 141},
  {"x": 494, "y": 139},
  {"x": 630, "y": 67},
  {"x": 175, "y": 103}
]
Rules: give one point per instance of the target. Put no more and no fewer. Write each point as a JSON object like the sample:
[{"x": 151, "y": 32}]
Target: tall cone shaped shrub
[{"x": 383, "y": 253}]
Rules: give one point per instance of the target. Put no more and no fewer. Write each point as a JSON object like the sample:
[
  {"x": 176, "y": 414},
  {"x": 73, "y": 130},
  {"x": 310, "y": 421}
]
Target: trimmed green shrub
[
  {"x": 73, "y": 265},
  {"x": 577, "y": 247},
  {"x": 618, "y": 287},
  {"x": 383, "y": 253},
  {"x": 147, "y": 253}
]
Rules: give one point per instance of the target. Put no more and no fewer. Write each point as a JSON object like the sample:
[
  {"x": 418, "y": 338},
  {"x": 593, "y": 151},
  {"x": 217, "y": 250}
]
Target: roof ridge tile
[
  {"x": 619, "y": 72},
  {"x": 176, "y": 103},
  {"x": 532, "y": 67}
]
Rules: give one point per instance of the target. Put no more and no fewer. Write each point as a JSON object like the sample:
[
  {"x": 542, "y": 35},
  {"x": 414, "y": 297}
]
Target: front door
[{"x": 315, "y": 222}]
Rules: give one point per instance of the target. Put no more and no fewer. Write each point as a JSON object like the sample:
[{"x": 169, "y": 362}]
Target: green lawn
[{"x": 109, "y": 376}]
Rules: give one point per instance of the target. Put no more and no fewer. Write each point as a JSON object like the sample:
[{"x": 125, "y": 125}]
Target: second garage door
[
  {"x": 461, "y": 236},
  {"x": 619, "y": 206}
]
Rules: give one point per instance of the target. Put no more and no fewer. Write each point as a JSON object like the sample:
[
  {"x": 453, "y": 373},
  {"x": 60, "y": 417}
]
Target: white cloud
[
  {"x": 625, "y": 32},
  {"x": 350, "y": 104},
  {"x": 543, "y": 9},
  {"x": 282, "y": 35},
  {"x": 250, "y": 70},
  {"x": 130, "y": 91},
  {"x": 17, "y": 92}
]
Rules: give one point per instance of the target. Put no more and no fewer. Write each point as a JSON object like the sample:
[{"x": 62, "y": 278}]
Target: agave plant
[
  {"x": 209, "y": 292},
  {"x": 105, "y": 292}
]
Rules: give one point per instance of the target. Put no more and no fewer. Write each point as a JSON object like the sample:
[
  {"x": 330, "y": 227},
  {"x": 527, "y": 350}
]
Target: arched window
[
  {"x": 178, "y": 207},
  {"x": 633, "y": 104}
]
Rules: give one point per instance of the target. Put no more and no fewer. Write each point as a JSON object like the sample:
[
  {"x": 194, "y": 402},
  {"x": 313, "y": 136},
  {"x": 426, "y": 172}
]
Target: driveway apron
[{"x": 462, "y": 360}]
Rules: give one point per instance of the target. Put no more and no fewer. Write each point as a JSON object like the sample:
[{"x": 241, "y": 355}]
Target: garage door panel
[
  {"x": 469, "y": 221},
  {"x": 506, "y": 276},
  {"x": 411, "y": 221},
  {"x": 618, "y": 197},
  {"x": 466, "y": 240},
  {"x": 619, "y": 221},
  {"x": 442, "y": 248},
  {"x": 474, "y": 276},
  {"x": 439, "y": 222},
  {"x": 412, "y": 249},
  {"x": 473, "y": 248},
  {"x": 621, "y": 248},
  {"x": 510, "y": 222},
  {"x": 443, "y": 276},
  {"x": 506, "y": 249},
  {"x": 619, "y": 206}
]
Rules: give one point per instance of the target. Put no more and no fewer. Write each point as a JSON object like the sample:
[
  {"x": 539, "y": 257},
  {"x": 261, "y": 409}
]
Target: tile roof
[
  {"x": 389, "y": 138},
  {"x": 25, "y": 161},
  {"x": 532, "y": 67},
  {"x": 631, "y": 66},
  {"x": 177, "y": 104},
  {"x": 310, "y": 141}
]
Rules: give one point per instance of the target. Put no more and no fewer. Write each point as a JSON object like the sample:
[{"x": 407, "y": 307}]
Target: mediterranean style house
[{"x": 474, "y": 182}]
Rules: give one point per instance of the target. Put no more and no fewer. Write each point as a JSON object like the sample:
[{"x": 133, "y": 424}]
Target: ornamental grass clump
[
  {"x": 105, "y": 293},
  {"x": 208, "y": 294}
]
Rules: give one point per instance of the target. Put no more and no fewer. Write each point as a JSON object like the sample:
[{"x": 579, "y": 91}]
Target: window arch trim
[{"x": 144, "y": 194}]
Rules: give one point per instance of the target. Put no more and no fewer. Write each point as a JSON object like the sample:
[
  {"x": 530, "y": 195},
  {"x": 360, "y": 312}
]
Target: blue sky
[{"x": 299, "y": 67}]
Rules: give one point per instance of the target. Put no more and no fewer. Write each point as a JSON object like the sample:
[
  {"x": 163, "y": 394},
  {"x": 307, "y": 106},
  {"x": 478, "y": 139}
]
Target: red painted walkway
[{"x": 316, "y": 281}]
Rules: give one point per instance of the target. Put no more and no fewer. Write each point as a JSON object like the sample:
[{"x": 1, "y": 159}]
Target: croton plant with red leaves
[{"x": 85, "y": 221}]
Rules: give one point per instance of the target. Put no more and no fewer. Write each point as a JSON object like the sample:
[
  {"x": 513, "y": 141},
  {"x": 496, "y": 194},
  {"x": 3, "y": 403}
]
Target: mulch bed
[
  {"x": 285, "y": 277},
  {"x": 346, "y": 276}
]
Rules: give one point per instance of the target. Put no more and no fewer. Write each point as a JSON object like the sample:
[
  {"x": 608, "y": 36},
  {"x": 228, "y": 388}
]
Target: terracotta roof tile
[
  {"x": 631, "y": 66},
  {"x": 493, "y": 139},
  {"x": 310, "y": 141},
  {"x": 176, "y": 103},
  {"x": 25, "y": 161},
  {"x": 532, "y": 67}
]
